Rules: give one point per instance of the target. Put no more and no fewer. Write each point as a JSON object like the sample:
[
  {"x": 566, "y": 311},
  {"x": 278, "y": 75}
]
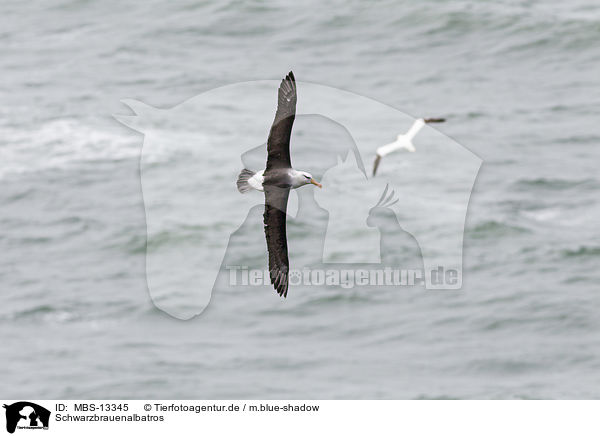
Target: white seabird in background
[{"x": 404, "y": 141}]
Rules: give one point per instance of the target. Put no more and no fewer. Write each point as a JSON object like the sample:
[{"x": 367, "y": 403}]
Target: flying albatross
[
  {"x": 276, "y": 181},
  {"x": 404, "y": 141}
]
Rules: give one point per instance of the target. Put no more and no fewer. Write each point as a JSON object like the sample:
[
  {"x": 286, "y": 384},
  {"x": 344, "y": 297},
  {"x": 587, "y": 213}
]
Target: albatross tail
[{"x": 242, "y": 182}]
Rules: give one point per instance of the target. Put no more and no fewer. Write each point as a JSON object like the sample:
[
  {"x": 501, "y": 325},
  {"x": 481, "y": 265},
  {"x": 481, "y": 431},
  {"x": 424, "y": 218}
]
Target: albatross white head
[{"x": 301, "y": 178}]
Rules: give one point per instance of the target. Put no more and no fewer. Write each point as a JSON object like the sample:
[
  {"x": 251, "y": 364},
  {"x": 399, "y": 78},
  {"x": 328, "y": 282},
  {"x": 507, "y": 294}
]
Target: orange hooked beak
[{"x": 314, "y": 182}]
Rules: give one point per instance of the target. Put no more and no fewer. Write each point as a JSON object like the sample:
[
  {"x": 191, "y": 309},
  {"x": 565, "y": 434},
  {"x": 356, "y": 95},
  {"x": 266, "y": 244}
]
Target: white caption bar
[{"x": 270, "y": 417}]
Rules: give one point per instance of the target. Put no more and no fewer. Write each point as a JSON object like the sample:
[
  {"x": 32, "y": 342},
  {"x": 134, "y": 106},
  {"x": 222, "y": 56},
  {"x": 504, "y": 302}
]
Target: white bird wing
[
  {"x": 401, "y": 143},
  {"x": 387, "y": 148},
  {"x": 409, "y": 146}
]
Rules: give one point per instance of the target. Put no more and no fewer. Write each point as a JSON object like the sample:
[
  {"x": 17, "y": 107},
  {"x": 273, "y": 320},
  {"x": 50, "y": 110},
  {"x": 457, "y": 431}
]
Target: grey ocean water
[{"x": 518, "y": 82}]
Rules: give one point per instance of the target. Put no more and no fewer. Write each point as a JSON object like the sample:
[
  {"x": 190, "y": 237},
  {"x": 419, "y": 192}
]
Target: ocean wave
[
  {"x": 45, "y": 313},
  {"x": 581, "y": 251},
  {"x": 493, "y": 228},
  {"x": 555, "y": 184},
  {"x": 58, "y": 144}
]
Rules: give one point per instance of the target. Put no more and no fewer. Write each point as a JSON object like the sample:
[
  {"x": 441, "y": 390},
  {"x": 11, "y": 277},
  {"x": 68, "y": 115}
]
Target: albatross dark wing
[
  {"x": 278, "y": 144},
  {"x": 274, "y": 217}
]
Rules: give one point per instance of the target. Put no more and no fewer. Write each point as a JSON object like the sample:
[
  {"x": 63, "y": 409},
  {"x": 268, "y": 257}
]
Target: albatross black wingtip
[
  {"x": 280, "y": 283},
  {"x": 288, "y": 86},
  {"x": 282, "y": 291}
]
